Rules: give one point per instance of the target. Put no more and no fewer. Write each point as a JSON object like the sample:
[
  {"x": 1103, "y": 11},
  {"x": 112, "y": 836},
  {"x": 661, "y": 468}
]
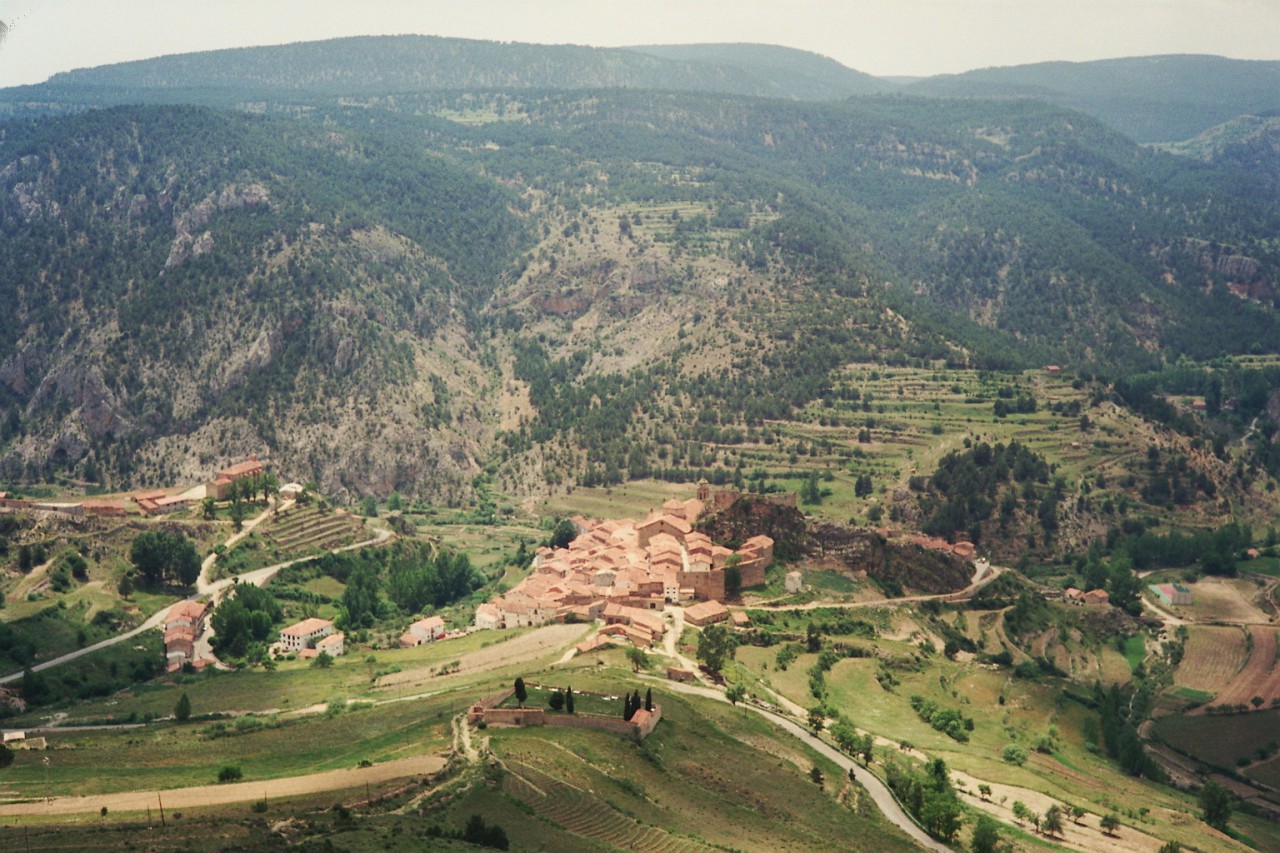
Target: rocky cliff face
[
  {"x": 754, "y": 515},
  {"x": 909, "y": 566}
]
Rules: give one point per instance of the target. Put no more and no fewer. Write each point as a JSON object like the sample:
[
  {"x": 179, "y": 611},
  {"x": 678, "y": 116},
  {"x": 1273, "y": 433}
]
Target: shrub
[
  {"x": 1014, "y": 754},
  {"x": 230, "y": 773}
]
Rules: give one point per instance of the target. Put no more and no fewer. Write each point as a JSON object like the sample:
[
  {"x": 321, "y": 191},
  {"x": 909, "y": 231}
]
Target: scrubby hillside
[{"x": 184, "y": 286}]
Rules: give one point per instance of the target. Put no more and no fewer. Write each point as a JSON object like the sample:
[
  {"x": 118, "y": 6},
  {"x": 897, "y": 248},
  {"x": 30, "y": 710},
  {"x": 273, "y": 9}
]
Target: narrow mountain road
[
  {"x": 879, "y": 792},
  {"x": 203, "y": 586},
  {"x": 156, "y": 620}
]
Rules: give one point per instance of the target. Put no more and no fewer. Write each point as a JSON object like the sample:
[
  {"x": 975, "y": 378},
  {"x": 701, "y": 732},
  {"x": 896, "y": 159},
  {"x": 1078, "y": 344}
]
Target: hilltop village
[{"x": 621, "y": 571}]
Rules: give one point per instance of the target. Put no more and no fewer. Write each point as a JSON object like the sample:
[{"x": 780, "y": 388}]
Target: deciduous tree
[
  {"x": 1215, "y": 801},
  {"x": 716, "y": 645}
]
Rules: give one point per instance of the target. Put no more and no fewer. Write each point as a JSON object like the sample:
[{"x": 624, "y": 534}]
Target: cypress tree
[
  {"x": 648, "y": 699},
  {"x": 568, "y": 700}
]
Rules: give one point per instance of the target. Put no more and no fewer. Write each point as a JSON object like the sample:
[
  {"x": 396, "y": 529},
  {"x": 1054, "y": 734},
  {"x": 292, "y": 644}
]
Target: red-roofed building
[
  {"x": 220, "y": 486},
  {"x": 706, "y": 613},
  {"x": 677, "y": 527},
  {"x": 1097, "y": 596}
]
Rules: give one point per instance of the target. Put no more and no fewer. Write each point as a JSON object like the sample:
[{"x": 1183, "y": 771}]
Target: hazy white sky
[{"x": 886, "y": 37}]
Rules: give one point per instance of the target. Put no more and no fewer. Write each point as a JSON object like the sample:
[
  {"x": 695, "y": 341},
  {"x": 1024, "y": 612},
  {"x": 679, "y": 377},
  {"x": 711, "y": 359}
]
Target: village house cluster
[{"x": 621, "y": 571}]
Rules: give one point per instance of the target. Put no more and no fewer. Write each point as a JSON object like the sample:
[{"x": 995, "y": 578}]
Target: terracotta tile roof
[
  {"x": 242, "y": 469},
  {"x": 429, "y": 622},
  {"x": 705, "y": 610},
  {"x": 188, "y": 611},
  {"x": 307, "y": 627}
]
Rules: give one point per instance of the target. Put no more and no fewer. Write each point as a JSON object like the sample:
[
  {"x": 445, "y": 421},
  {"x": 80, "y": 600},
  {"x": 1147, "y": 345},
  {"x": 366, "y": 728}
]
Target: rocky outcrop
[
  {"x": 1210, "y": 263},
  {"x": 616, "y": 290},
  {"x": 863, "y": 550},
  {"x": 753, "y": 515},
  {"x": 186, "y": 243}
]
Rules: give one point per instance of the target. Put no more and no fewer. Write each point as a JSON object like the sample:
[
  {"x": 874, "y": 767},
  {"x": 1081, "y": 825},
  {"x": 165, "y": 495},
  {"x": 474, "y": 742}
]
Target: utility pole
[{"x": 161, "y": 802}]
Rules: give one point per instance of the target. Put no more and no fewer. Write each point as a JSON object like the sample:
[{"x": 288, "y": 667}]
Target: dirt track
[{"x": 238, "y": 792}]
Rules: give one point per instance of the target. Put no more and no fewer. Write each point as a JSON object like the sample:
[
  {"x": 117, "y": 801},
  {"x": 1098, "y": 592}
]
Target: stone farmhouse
[
  {"x": 158, "y": 502},
  {"x": 706, "y": 613},
  {"x": 621, "y": 571}
]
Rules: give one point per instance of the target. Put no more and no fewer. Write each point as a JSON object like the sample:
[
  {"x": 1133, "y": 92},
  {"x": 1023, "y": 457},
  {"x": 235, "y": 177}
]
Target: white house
[
  {"x": 423, "y": 631},
  {"x": 334, "y": 645},
  {"x": 297, "y": 637}
]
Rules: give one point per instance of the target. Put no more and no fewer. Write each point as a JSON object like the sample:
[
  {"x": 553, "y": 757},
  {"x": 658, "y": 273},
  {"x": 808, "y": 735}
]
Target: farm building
[
  {"x": 706, "y": 613},
  {"x": 107, "y": 509},
  {"x": 1171, "y": 593},
  {"x": 162, "y": 505},
  {"x": 1097, "y": 596},
  {"x": 305, "y": 633},
  {"x": 794, "y": 582},
  {"x": 334, "y": 645}
]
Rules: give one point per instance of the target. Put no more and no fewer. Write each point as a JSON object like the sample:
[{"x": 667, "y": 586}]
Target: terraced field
[
  {"x": 309, "y": 528},
  {"x": 584, "y": 815},
  {"x": 1224, "y": 601},
  {"x": 1260, "y": 677},
  {"x": 1214, "y": 655}
]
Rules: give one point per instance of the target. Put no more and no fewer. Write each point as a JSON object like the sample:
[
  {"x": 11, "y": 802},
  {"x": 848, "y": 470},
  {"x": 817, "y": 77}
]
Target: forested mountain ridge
[
  {"x": 1248, "y": 144},
  {"x": 387, "y": 65},
  {"x": 557, "y": 287},
  {"x": 1149, "y": 98}
]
